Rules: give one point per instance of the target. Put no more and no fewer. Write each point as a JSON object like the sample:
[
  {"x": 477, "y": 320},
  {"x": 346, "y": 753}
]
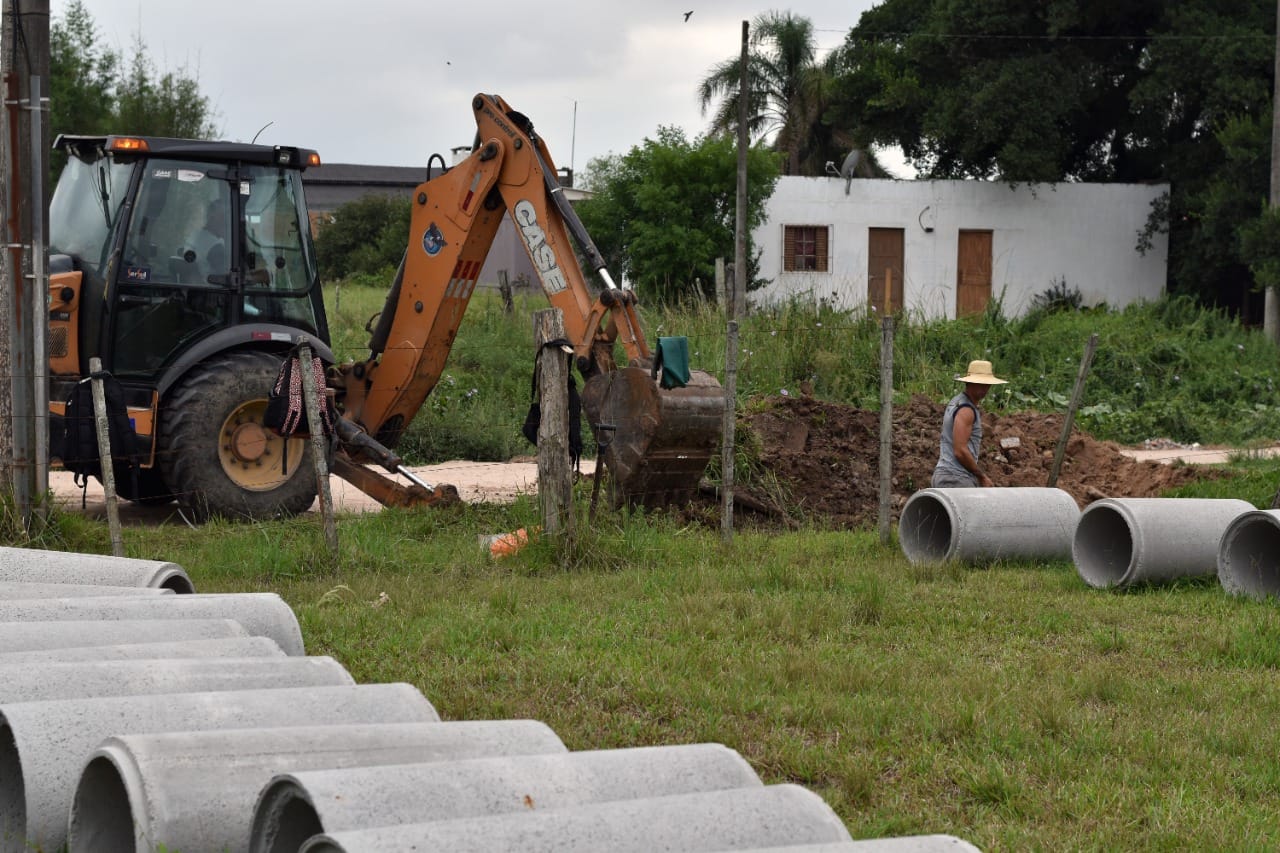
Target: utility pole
[
  {"x": 24, "y": 139},
  {"x": 1271, "y": 296}
]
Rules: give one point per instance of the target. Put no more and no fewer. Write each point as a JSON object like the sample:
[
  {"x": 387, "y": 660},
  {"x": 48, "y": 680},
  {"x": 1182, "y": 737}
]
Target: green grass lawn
[{"x": 1009, "y": 705}]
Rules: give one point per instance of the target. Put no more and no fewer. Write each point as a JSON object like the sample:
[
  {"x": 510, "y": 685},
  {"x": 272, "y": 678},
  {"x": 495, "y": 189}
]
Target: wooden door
[
  {"x": 973, "y": 273},
  {"x": 884, "y": 262}
]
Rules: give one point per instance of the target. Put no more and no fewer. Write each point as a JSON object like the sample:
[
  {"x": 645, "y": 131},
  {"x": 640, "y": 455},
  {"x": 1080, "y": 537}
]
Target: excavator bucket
[{"x": 661, "y": 440}]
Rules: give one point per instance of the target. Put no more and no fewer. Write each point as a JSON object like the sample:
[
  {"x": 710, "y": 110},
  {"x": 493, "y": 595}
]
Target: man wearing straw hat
[{"x": 962, "y": 432}]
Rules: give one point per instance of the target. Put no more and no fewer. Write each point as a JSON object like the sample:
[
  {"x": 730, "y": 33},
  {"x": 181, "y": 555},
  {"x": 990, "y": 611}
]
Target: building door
[
  {"x": 973, "y": 273},
  {"x": 884, "y": 269}
]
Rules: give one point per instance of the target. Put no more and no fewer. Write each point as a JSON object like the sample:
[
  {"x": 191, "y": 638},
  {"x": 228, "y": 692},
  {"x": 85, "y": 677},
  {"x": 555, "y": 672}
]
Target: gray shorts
[{"x": 945, "y": 478}]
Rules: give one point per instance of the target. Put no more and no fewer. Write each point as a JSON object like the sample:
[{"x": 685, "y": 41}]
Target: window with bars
[{"x": 805, "y": 248}]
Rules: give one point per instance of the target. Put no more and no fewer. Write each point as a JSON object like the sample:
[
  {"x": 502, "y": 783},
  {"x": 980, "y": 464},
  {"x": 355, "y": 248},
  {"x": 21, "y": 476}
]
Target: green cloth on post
[{"x": 671, "y": 357}]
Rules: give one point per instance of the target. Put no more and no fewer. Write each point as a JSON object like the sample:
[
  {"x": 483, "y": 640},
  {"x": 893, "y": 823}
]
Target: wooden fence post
[
  {"x": 311, "y": 402},
  {"x": 730, "y": 425},
  {"x": 555, "y": 485},
  {"x": 104, "y": 458},
  {"x": 886, "y": 428},
  {"x": 1076, "y": 394}
]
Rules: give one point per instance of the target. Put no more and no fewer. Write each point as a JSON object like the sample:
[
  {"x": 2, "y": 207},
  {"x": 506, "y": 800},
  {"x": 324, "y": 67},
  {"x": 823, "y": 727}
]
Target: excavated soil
[{"x": 825, "y": 459}]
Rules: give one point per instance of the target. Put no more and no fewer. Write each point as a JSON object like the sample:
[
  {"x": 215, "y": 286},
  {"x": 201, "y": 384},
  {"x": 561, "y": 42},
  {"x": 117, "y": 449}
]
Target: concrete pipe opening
[
  {"x": 983, "y": 525},
  {"x": 13, "y": 795},
  {"x": 1121, "y": 542},
  {"x": 1249, "y": 555},
  {"x": 1103, "y": 548},
  {"x": 284, "y": 819},
  {"x": 102, "y": 816}
]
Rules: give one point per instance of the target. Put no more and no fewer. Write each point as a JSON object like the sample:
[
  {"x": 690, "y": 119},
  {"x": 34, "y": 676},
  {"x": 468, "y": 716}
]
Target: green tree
[
  {"x": 1131, "y": 90},
  {"x": 153, "y": 103},
  {"x": 367, "y": 235},
  {"x": 663, "y": 212},
  {"x": 789, "y": 92},
  {"x": 94, "y": 90},
  {"x": 83, "y": 74}
]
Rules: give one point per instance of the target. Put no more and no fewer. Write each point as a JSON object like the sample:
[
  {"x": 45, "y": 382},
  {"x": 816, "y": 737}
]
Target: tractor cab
[{"x": 176, "y": 241}]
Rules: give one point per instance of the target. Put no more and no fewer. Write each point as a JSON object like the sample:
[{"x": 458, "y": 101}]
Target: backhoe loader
[{"x": 188, "y": 268}]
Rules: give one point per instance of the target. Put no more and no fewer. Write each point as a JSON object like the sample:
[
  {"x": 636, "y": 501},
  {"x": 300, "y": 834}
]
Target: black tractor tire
[{"x": 216, "y": 457}]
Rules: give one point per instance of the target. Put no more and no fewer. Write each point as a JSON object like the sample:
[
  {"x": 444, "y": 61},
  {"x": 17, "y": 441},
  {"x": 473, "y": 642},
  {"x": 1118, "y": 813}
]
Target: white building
[{"x": 946, "y": 248}]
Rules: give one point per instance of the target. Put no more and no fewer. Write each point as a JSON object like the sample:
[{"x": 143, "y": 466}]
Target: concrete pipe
[
  {"x": 982, "y": 525},
  {"x": 41, "y": 635},
  {"x": 263, "y": 614},
  {"x": 19, "y": 590},
  {"x": 196, "y": 790},
  {"x": 31, "y": 564},
  {"x": 1249, "y": 555},
  {"x": 738, "y": 819},
  {"x": 298, "y": 805},
  {"x": 38, "y": 682},
  {"x": 44, "y": 745},
  {"x": 902, "y": 844},
  {"x": 233, "y": 647},
  {"x": 1120, "y": 542}
]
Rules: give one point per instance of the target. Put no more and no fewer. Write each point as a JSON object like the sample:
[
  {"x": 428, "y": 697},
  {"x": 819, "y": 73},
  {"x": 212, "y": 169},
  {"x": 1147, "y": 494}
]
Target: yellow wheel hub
[{"x": 253, "y": 457}]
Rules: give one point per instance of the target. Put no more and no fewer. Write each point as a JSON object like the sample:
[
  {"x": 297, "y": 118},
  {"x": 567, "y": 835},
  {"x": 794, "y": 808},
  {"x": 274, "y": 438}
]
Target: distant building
[
  {"x": 332, "y": 185},
  {"x": 947, "y": 248}
]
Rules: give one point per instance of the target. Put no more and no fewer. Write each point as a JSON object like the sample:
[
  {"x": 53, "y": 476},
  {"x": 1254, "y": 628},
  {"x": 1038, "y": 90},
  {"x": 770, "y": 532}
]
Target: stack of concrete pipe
[{"x": 136, "y": 715}]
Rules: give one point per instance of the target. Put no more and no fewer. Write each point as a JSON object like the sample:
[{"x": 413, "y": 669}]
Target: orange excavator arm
[{"x": 454, "y": 220}]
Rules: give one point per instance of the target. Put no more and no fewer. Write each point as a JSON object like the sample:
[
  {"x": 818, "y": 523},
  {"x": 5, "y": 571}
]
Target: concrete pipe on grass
[
  {"x": 42, "y": 635},
  {"x": 39, "y": 682},
  {"x": 738, "y": 819},
  {"x": 232, "y": 647},
  {"x": 263, "y": 614},
  {"x": 1249, "y": 555},
  {"x": 31, "y": 564},
  {"x": 196, "y": 790},
  {"x": 982, "y": 525},
  {"x": 901, "y": 844},
  {"x": 1121, "y": 542},
  {"x": 19, "y": 590},
  {"x": 298, "y": 805},
  {"x": 44, "y": 745}
]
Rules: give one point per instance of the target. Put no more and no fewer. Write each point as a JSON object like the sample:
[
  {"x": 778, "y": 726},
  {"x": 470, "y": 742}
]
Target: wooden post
[
  {"x": 886, "y": 428},
  {"x": 311, "y": 402},
  {"x": 1076, "y": 394},
  {"x": 104, "y": 458},
  {"x": 555, "y": 484},
  {"x": 730, "y": 425},
  {"x": 504, "y": 290},
  {"x": 740, "y": 208}
]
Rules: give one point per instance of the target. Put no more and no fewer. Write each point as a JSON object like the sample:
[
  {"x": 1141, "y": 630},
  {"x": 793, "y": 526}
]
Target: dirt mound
[{"x": 825, "y": 458}]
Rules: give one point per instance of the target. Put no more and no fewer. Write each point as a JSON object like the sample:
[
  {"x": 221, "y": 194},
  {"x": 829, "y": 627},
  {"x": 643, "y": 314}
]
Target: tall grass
[{"x": 1165, "y": 369}]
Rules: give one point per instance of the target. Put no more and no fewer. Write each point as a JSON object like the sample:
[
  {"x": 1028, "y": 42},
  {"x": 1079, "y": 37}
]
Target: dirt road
[{"x": 477, "y": 482}]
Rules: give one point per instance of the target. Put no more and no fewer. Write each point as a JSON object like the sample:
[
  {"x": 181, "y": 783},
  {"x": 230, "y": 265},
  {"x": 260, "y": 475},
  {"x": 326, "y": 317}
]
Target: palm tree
[{"x": 789, "y": 93}]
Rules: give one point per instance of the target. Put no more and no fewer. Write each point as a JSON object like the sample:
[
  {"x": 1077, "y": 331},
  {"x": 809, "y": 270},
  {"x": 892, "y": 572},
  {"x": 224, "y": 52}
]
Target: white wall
[{"x": 1041, "y": 233}]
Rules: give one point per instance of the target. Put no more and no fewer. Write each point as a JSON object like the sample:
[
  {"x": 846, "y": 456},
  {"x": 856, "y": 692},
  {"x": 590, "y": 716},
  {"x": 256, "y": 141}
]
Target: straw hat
[{"x": 980, "y": 374}]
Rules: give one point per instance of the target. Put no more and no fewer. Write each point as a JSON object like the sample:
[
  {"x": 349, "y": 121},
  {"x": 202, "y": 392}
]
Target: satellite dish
[
  {"x": 855, "y": 165},
  {"x": 849, "y": 168}
]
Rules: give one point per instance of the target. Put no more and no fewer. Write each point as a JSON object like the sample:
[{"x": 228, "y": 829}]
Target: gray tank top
[{"x": 947, "y": 453}]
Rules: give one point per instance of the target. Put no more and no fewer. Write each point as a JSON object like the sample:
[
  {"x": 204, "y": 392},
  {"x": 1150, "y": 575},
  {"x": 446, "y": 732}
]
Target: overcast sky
[{"x": 390, "y": 82}]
